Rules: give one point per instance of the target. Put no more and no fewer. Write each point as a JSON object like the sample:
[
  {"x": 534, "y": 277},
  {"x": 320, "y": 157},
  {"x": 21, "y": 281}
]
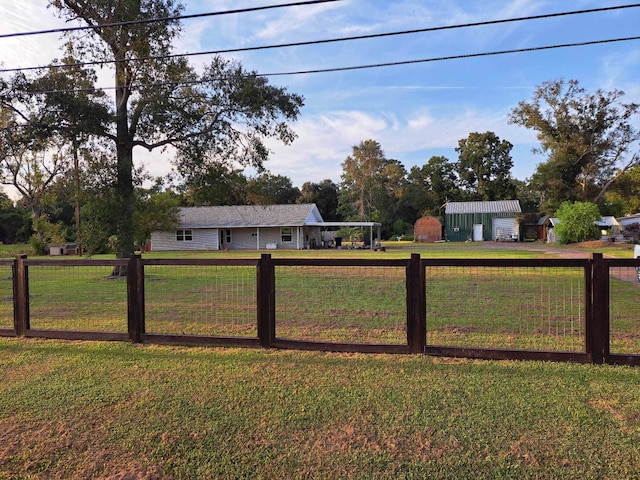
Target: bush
[
  {"x": 38, "y": 246},
  {"x": 577, "y": 222}
]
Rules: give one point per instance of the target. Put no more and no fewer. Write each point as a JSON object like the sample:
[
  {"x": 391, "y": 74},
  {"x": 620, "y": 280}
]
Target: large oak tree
[
  {"x": 484, "y": 167},
  {"x": 588, "y": 138},
  {"x": 159, "y": 100}
]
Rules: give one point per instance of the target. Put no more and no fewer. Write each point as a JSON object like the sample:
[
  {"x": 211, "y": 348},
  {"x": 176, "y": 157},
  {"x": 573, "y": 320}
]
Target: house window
[
  {"x": 227, "y": 236},
  {"x": 286, "y": 234},
  {"x": 184, "y": 235}
]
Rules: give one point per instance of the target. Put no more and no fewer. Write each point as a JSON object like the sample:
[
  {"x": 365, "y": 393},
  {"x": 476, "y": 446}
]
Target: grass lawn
[
  {"x": 113, "y": 410},
  {"x": 77, "y": 410}
]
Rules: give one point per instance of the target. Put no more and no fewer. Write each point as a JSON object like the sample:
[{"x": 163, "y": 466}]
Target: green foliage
[
  {"x": 270, "y": 189},
  {"x": 429, "y": 187},
  {"x": 214, "y": 184},
  {"x": 37, "y": 245},
  {"x": 156, "y": 210},
  {"x": 361, "y": 177},
  {"x": 625, "y": 193},
  {"x": 577, "y": 222},
  {"x": 484, "y": 167},
  {"x": 586, "y": 137},
  {"x": 324, "y": 195},
  {"x": 221, "y": 115},
  {"x": 374, "y": 188},
  {"x": 15, "y": 222}
]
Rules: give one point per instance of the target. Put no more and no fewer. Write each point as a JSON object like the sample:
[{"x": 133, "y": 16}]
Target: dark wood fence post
[
  {"x": 135, "y": 298},
  {"x": 266, "y": 299},
  {"x": 21, "y": 317},
  {"x": 416, "y": 306},
  {"x": 597, "y": 328}
]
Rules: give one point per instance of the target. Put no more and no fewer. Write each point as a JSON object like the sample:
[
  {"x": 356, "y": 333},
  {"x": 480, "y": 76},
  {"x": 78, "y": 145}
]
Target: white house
[
  {"x": 629, "y": 220},
  {"x": 249, "y": 227}
]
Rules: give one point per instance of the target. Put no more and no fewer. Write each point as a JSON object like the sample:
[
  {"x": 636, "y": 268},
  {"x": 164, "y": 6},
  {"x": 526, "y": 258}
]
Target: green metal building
[{"x": 477, "y": 221}]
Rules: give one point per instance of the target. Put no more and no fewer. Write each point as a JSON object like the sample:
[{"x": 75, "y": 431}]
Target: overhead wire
[
  {"x": 334, "y": 40},
  {"x": 451, "y": 57},
  {"x": 368, "y": 66},
  {"x": 163, "y": 19}
]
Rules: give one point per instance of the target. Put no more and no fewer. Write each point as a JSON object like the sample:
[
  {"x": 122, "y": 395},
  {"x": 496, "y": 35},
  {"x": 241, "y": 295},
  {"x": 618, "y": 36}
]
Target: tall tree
[
  {"x": 56, "y": 106},
  {"x": 361, "y": 179},
  {"x": 29, "y": 164},
  {"x": 269, "y": 189},
  {"x": 324, "y": 195},
  {"x": 588, "y": 139},
  {"x": 393, "y": 209},
  {"x": 214, "y": 184},
  {"x": 432, "y": 185},
  {"x": 484, "y": 166},
  {"x": 15, "y": 222},
  {"x": 625, "y": 192},
  {"x": 221, "y": 115}
]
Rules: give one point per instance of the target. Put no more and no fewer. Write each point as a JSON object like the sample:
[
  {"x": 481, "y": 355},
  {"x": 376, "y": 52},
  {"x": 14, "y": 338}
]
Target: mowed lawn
[
  {"x": 76, "y": 410},
  {"x": 115, "y": 410}
]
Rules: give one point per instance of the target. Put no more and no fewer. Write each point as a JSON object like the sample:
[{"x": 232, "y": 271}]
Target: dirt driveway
[{"x": 581, "y": 250}]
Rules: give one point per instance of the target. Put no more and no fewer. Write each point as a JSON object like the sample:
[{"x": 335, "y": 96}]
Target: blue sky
[{"x": 413, "y": 111}]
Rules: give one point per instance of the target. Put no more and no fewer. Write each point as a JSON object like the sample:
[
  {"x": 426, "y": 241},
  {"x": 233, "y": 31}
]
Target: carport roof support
[{"x": 370, "y": 225}]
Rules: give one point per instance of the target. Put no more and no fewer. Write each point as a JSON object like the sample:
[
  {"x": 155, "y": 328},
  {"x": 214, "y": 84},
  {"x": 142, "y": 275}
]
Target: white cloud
[
  {"x": 325, "y": 140},
  {"x": 29, "y": 51}
]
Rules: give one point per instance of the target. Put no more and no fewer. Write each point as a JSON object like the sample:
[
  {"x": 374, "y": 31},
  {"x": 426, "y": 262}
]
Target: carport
[{"x": 367, "y": 226}]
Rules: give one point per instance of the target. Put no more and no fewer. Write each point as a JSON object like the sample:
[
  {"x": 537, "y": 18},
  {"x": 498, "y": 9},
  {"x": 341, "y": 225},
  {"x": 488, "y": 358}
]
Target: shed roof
[
  {"x": 607, "y": 221},
  {"x": 497, "y": 206},
  {"x": 230, "y": 216}
]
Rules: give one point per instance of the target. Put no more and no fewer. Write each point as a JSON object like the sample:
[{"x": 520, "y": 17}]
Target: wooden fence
[{"x": 474, "y": 308}]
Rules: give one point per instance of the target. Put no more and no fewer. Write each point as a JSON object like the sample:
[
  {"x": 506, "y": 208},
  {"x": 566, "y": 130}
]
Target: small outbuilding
[
  {"x": 427, "y": 230},
  {"x": 609, "y": 227},
  {"x": 547, "y": 232},
  {"x": 477, "y": 221}
]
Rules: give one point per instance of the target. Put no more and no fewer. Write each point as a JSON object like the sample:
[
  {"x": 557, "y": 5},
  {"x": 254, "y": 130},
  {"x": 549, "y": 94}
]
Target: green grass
[
  {"x": 10, "y": 251},
  {"x": 112, "y": 410},
  {"x": 516, "y": 308}
]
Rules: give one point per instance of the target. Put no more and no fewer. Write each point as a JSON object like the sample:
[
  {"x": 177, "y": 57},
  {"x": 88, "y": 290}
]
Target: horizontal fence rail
[{"x": 579, "y": 310}]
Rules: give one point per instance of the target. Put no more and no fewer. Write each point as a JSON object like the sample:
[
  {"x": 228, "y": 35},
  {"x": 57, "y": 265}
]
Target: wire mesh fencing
[
  {"x": 6, "y": 294},
  {"x": 206, "y": 300},
  {"x": 624, "y": 310},
  {"x": 506, "y": 307},
  {"x": 67, "y": 296},
  {"x": 577, "y": 310},
  {"x": 356, "y": 304}
]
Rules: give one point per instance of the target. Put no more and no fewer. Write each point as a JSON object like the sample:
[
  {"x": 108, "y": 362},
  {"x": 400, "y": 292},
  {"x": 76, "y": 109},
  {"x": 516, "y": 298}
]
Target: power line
[
  {"x": 370, "y": 66},
  {"x": 165, "y": 19},
  {"x": 451, "y": 57},
  {"x": 334, "y": 40}
]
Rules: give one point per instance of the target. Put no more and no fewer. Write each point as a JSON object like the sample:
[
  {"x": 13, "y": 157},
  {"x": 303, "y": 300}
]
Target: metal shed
[{"x": 477, "y": 221}]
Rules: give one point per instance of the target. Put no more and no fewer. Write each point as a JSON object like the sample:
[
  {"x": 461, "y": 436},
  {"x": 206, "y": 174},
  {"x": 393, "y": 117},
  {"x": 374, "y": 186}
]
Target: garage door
[{"x": 504, "y": 229}]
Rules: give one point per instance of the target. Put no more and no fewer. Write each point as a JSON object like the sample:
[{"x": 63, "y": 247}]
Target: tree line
[{"x": 67, "y": 146}]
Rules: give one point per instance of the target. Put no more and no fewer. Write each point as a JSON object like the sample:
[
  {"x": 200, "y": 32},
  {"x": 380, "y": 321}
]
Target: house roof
[
  {"x": 498, "y": 206},
  {"x": 629, "y": 219},
  {"x": 249, "y": 216},
  {"x": 607, "y": 221}
]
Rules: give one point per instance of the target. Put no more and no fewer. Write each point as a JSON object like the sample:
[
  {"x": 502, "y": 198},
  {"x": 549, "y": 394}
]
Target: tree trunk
[
  {"x": 76, "y": 175},
  {"x": 124, "y": 185}
]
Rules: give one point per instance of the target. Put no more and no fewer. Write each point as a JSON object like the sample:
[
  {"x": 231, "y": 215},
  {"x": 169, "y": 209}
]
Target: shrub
[{"x": 577, "y": 222}]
